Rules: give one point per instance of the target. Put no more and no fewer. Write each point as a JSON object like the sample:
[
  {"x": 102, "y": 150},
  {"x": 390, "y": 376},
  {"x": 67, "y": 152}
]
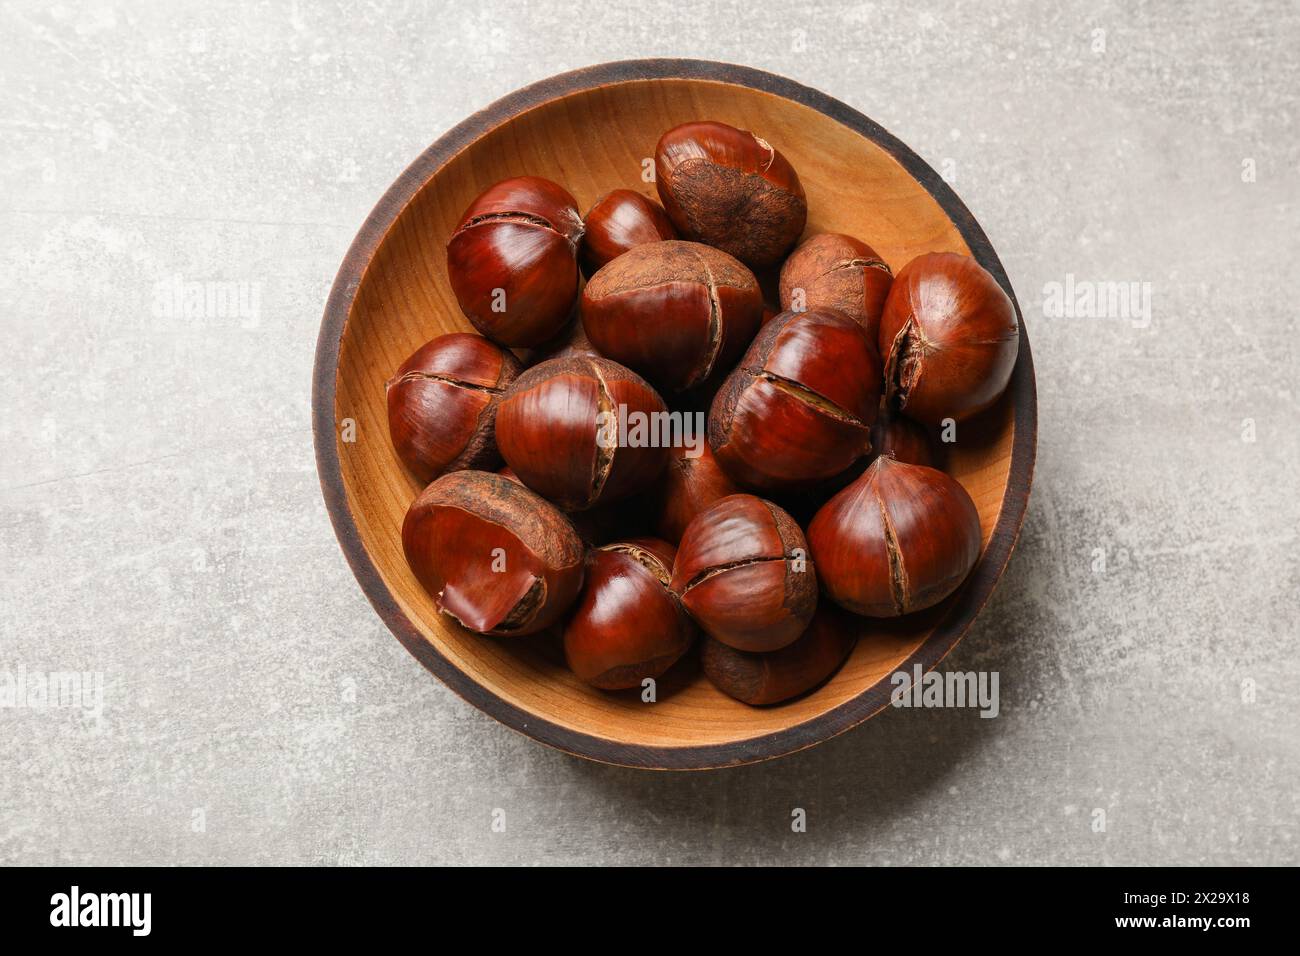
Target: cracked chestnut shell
[
  {"x": 628, "y": 624},
  {"x": 688, "y": 487},
  {"x": 496, "y": 557},
  {"x": 442, "y": 404},
  {"x": 793, "y": 670},
  {"x": 617, "y": 222},
  {"x": 798, "y": 408},
  {"x": 900, "y": 539},
  {"x": 744, "y": 574},
  {"x": 557, "y": 427},
  {"x": 949, "y": 338},
  {"x": 729, "y": 188},
  {"x": 673, "y": 311},
  {"x": 513, "y": 260},
  {"x": 835, "y": 271}
]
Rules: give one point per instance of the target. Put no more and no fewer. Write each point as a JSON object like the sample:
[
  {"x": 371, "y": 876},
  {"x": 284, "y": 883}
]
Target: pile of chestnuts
[{"x": 666, "y": 462}]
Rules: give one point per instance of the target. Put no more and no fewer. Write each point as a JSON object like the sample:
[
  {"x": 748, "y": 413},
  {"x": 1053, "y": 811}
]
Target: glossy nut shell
[
  {"x": 442, "y": 404},
  {"x": 513, "y": 261},
  {"x": 900, "y": 539},
  {"x": 743, "y": 574}
]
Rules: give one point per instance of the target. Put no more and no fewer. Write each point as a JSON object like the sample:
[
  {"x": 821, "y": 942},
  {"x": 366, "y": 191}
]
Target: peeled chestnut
[
  {"x": 617, "y": 222},
  {"x": 948, "y": 337},
  {"x": 495, "y": 556},
  {"x": 899, "y": 437},
  {"x": 580, "y": 431},
  {"x": 793, "y": 670},
  {"x": 442, "y": 404},
  {"x": 690, "y": 484},
  {"x": 728, "y": 188},
  {"x": 743, "y": 574},
  {"x": 673, "y": 311},
  {"x": 899, "y": 539},
  {"x": 628, "y": 624},
  {"x": 513, "y": 260},
  {"x": 835, "y": 271},
  {"x": 798, "y": 408}
]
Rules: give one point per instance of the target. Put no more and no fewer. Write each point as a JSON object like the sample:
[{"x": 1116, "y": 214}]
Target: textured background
[{"x": 161, "y": 522}]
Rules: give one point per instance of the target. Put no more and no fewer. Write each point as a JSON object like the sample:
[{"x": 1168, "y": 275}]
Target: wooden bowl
[{"x": 593, "y": 130}]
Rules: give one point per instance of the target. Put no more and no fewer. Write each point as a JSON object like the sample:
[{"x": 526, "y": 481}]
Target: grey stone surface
[{"x": 161, "y": 523}]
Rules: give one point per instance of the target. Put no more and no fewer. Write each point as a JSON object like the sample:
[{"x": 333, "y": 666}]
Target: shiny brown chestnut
[
  {"x": 628, "y": 625},
  {"x": 799, "y": 407},
  {"x": 691, "y": 484},
  {"x": 617, "y": 222},
  {"x": 496, "y": 557},
  {"x": 558, "y": 427},
  {"x": 899, "y": 539},
  {"x": 442, "y": 404},
  {"x": 513, "y": 260},
  {"x": 899, "y": 437},
  {"x": 729, "y": 188},
  {"x": 743, "y": 574},
  {"x": 948, "y": 337},
  {"x": 673, "y": 311},
  {"x": 834, "y": 271},
  {"x": 795, "y": 669}
]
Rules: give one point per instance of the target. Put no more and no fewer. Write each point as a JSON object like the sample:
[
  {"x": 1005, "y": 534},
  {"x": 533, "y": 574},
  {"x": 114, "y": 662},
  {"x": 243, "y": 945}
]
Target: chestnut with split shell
[
  {"x": 743, "y": 574},
  {"x": 729, "y": 188},
  {"x": 513, "y": 261},
  {"x": 948, "y": 337},
  {"x": 557, "y": 427},
  {"x": 899, "y": 539},
  {"x": 793, "y": 670},
  {"x": 799, "y": 407},
  {"x": 628, "y": 625},
  {"x": 673, "y": 311},
  {"x": 442, "y": 404},
  {"x": 496, "y": 557}
]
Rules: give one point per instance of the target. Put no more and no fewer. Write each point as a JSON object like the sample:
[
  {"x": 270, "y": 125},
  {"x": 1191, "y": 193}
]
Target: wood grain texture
[{"x": 591, "y": 130}]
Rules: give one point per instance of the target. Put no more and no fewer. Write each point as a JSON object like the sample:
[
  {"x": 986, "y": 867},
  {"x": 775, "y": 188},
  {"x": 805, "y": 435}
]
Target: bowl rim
[{"x": 949, "y": 629}]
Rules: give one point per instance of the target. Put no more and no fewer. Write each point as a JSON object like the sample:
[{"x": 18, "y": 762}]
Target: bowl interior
[{"x": 593, "y": 141}]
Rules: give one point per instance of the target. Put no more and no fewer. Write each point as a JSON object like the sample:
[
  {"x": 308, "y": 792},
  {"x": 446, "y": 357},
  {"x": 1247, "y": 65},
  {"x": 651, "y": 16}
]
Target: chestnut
[
  {"x": 793, "y": 670},
  {"x": 901, "y": 538},
  {"x": 689, "y": 485},
  {"x": 513, "y": 260},
  {"x": 900, "y": 437},
  {"x": 442, "y": 404},
  {"x": 728, "y": 188},
  {"x": 799, "y": 407},
  {"x": 558, "y": 427},
  {"x": 617, "y": 222},
  {"x": 744, "y": 574},
  {"x": 628, "y": 624},
  {"x": 673, "y": 311},
  {"x": 948, "y": 337},
  {"x": 832, "y": 270},
  {"x": 496, "y": 557}
]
